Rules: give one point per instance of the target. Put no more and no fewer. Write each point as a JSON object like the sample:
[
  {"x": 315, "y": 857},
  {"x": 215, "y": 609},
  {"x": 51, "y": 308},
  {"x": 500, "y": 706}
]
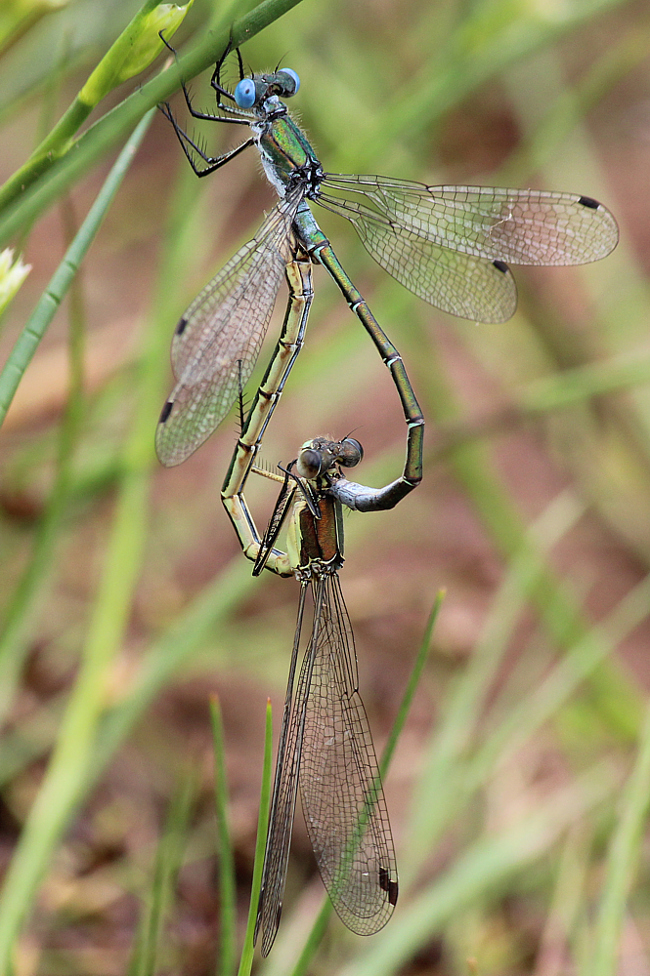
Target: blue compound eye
[
  {"x": 245, "y": 93},
  {"x": 294, "y": 77}
]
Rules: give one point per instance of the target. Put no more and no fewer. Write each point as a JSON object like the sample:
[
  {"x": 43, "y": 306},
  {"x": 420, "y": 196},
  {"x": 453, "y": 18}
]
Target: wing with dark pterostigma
[
  {"x": 451, "y": 245},
  {"x": 218, "y": 339}
]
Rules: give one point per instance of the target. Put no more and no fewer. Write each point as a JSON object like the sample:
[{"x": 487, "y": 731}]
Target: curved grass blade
[{"x": 27, "y": 344}]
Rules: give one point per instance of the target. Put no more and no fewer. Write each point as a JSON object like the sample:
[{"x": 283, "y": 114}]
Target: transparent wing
[
  {"x": 283, "y": 803},
  {"x": 450, "y": 244},
  {"x": 340, "y": 787},
  {"x": 217, "y": 341},
  {"x": 520, "y": 226},
  {"x": 325, "y": 744},
  {"x": 458, "y": 283}
]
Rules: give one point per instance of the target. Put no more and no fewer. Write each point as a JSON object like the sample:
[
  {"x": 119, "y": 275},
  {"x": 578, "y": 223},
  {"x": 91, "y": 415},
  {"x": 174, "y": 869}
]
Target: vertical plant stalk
[
  {"x": 38, "y": 323},
  {"x": 246, "y": 962},
  {"x": 22, "y": 608},
  {"x": 73, "y": 755},
  {"x": 226, "y": 866},
  {"x": 622, "y": 862},
  {"x": 169, "y": 859},
  {"x": 136, "y": 47}
]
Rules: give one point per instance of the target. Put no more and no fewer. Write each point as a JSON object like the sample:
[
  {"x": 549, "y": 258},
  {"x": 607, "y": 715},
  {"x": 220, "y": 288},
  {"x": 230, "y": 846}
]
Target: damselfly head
[
  {"x": 251, "y": 92},
  {"x": 320, "y": 455}
]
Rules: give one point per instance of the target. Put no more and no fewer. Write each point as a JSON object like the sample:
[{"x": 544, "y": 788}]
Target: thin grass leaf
[
  {"x": 623, "y": 862},
  {"x": 73, "y": 757},
  {"x": 578, "y": 664},
  {"x": 481, "y": 872},
  {"x": 27, "y": 344},
  {"x": 582, "y": 383},
  {"x": 489, "y": 38},
  {"x": 521, "y": 722},
  {"x": 411, "y": 687},
  {"x": 164, "y": 657},
  {"x": 562, "y": 617},
  {"x": 21, "y": 610},
  {"x": 226, "y": 862},
  {"x": 87, "y": 736},
  {"x": 169, "y": 858},
  {"x": 568, "y": 897},
  {"x": 436, "y": 801},
  {"x": 248, "y": 948}
]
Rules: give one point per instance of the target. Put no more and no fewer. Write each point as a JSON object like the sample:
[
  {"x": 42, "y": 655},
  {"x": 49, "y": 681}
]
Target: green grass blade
[
  {"x": 560, "y": 613},
  {"x": 168, "y": 862},
  {"x": 411, "y": 687},
  {"x": 27, "y": 344},
  {"x": 577, "y": 666},
  {"x": 89, "y": 731},
  {"x": 21, "y": 609},
  {"x": 165, "y": 656},
  {"x": 227, "y": 900},
  {"x": 435, "y": 801},
  {"x": 457, "y": 782},
  {"x": 246, "y": 962},
  {"x": 623, "y": 862},
  {"x": 73, "y": 757},
  {"x": 481, "y": 871}
]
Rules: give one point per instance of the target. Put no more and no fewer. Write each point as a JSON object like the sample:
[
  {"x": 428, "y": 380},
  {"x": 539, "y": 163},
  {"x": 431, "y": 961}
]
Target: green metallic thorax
[{"x": 284, "y": 148}]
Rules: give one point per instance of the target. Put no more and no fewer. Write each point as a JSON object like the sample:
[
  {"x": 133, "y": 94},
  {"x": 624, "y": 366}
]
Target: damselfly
[
  {"x": 325, "y": 745},
  {"x": 448, "y": 244}
]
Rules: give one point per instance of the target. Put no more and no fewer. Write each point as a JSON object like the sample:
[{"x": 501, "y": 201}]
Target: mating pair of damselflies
[{"x": 450, "y": 246}]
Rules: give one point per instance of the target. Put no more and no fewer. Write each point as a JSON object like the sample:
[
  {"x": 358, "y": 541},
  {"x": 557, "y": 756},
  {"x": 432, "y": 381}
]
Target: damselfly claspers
[
  {"x": 325, "y": 747},
  {"x": 448, "y": 244}
]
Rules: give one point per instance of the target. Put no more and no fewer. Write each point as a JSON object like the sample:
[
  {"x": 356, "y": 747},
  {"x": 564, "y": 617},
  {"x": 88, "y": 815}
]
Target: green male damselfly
[{"x": 450, "y": 245}]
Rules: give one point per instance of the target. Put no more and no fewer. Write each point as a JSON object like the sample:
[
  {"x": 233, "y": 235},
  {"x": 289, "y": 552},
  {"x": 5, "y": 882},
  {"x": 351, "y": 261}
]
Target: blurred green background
[{"x": 518, "y": 794}]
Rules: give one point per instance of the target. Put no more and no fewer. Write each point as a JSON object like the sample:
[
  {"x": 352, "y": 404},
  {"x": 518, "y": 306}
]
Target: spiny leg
[
  {"x": 215, "y": 83},
  {"x": 212, "y": 162}
]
